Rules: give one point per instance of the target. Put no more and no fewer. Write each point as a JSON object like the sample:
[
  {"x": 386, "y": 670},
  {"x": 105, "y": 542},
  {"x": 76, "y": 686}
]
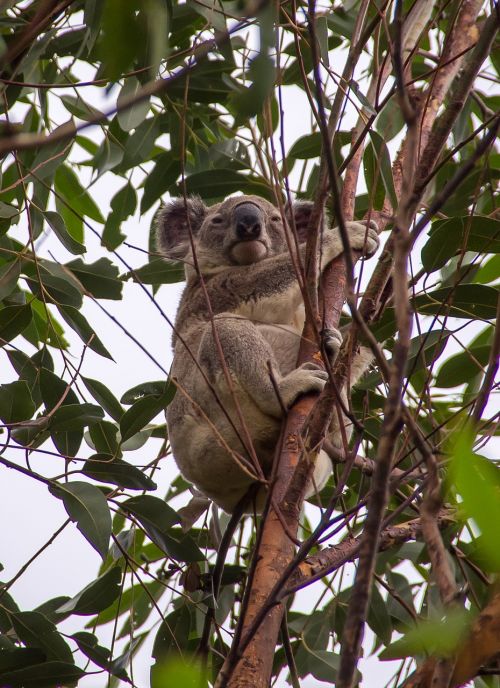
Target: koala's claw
[
  {"x": 307, "y": 378},
  {"x": 332, "y": 341}
]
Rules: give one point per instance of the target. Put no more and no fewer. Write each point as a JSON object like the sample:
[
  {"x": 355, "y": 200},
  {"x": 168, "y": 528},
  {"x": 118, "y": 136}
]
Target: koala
[{"x": 237, "y": 336}]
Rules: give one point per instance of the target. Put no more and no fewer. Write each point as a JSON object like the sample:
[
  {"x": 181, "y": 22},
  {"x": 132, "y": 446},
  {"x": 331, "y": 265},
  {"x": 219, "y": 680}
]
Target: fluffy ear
[
  {"x": 298, "y": 213},
  {"x": 173, "y": 222}
]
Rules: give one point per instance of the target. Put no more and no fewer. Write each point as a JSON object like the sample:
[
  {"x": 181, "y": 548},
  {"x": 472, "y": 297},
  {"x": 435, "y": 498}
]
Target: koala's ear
[
  {"x": 298, "y": 213},
  {"x": 173, "y": 222}
]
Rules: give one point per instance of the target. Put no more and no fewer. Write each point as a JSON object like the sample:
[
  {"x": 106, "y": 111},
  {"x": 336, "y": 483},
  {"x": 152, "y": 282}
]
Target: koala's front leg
[
  {"x": 247, "y": 358},
  {"x": 362, "y": 237}
]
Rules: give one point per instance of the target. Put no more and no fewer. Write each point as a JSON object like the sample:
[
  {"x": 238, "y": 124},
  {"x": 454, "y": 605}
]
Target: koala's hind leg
[{"x": 248, "y": 357}]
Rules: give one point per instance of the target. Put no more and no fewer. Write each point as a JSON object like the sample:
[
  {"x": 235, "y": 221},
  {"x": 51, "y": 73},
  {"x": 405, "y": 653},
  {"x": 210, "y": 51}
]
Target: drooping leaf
[
  {"x": 104, "y": 397},
  {"x": 57, "y": 225},
  {"x": 158, "y": 271},
  {"x": 13, "y": 321},
  {"x": 447, "y": 237},
  {"x": 87, "y": 506},
  {"x": 35, "y": 630},
  {"x": 462, "y": 301},
  {"x": 155, "y": 388},
  {"x": 58, "y": 290},
  {"x": 100, "y": 278},
  {"x": 75, "y": 417},
  {"x": 157, "y": 518},
  {"x": 143, "y": 411},
  {"x": 16, "y": 403},
  {"x": 96, "y": 596},
  {"x": 80, "y": 325},
  {"x": 131, "y": 117},
  {"x": 89, "y": 645},
  {"x": 9, "y": 275},
  {"x": 436, "y": 636},
  {"x": 45, "y": 675},
  {"x": 308, "y": 146},
  {"x": 477, "y": 481},
  {"x": 104, "y": 468},
  {"x": 78, "y": 199}
]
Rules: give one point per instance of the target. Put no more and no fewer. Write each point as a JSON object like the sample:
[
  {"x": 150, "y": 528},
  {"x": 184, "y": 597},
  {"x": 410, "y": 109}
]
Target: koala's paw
[
  {"x": 332, "y": 341},
  {"x": 307, "y": 378},
  {"x": 363, "y": 237}
]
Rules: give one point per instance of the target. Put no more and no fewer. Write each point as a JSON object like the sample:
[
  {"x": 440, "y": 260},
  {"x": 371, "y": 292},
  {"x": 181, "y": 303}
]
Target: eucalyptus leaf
[{"x": 87, "y": 506}]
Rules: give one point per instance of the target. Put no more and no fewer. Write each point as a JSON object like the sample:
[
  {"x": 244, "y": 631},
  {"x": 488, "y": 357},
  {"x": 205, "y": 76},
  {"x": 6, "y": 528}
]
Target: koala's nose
[{"x": 248, "y": 221}]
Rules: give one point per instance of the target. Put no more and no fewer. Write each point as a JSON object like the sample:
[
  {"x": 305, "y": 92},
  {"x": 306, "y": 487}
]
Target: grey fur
[{"x": 255, "y": 318}]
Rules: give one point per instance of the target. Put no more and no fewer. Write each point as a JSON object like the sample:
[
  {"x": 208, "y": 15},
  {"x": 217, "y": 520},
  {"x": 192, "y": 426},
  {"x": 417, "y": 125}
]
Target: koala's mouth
[{"x": 248, "y": 251}]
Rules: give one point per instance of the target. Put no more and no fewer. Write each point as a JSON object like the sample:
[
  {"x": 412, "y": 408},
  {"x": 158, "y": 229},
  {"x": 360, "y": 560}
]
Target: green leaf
[
  {"x": 89, "y": 645},
  {"x": 16, "y": 403},
  {"x": 35, "y": 630},
  {"x": 56, "y": 290},
  {"x": 433, "y": 637},
  {"x": 9, "y": 275},
  {"x": 75, "y": 416},
  {"x": 8, "y": 211},
  {"x": 163, "y": 175},
  {"x": 45, "y": 675},
  {"x": 124, "y": 202},
  {"x": 171, "y": 639},
  {"x": 489, "y": 271},
  {"x": 78, "y": 199},
  {"x": 140, "y": 144},
  {"x": 463, "y": 301},
  {"x": 76, "y": 106},
  {"x": 96, "y": 596},
  {"x": 217, "y": 184},
  {"x": 53, "y": 388},
  {"x": 13, "y": 321},
  {"x": 361, "y": 97},
  {"x": 249, "y": 101},
  {"x": 137, "y": 597},
  {"x": 154, "y": 388},
  {"x": 100, "y": 278},
  {"x": 103, "y": 437},
  {"x": 158, "y": 271},
  {"x": 448, "y": 237},
  {"x": 378, "y": 617},
  {"x": 373, "y": 177},
  {"x": 462, "y": 367},
  {"x": 49, "y": 157},
  {"x": 175, "y": 672},
  {"x": 156, "y": 517},
  {"x": 112, "y": 237},
  {"x": 19, "y": 657},
  {"x": 104, "y": 468},
  {"x": 152, "y": 511},
  {"x": 80, "y": 325},
  {"x": 87, "y": 506},
  {"x": 477, "y": 481},
  {"x": 133, "y": 116},
  {"x": 104, "y": 397},
  {"x": 143, "y": 411},
  {"x": 381, "y": 154},
  {"x": 323, "y": 664},
  {"x": 306, "y": 147},
  {"x": 59, "y": 228}
]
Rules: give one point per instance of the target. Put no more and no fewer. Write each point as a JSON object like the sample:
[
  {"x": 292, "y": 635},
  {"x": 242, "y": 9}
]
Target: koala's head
[{"x": 239, "y": 231}]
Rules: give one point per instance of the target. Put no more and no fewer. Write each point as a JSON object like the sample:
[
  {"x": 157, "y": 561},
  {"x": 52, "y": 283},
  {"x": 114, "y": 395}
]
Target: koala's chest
[{"x": 279, "y": 310}]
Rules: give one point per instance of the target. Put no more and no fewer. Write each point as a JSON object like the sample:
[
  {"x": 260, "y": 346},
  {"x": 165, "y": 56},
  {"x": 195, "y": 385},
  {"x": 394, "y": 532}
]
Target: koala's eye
[
  {"x": 275, "y": 218},
  {"x": 216, "y": 220}
]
